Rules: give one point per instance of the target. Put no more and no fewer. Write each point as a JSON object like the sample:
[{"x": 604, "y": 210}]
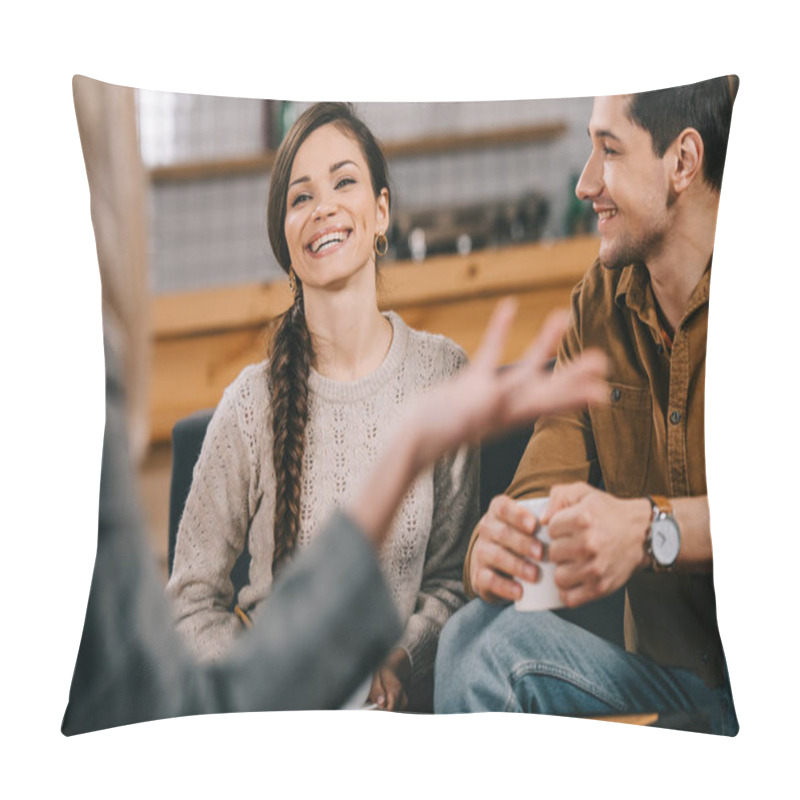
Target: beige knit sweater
[{"x": 349, "y": 423}]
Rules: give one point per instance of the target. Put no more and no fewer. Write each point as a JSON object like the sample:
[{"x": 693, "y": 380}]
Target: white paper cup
[{"x": 542, "y": 594}]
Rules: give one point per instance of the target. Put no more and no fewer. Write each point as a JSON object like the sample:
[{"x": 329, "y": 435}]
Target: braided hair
[
  {"x": 289, "y": 368},
  {"x": 292, "y": 354}
]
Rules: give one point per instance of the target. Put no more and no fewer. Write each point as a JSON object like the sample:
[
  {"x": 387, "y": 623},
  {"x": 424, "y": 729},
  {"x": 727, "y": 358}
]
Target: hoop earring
[
  {"x": 381, "y": 245},
  {"x": 293, "y": 282}
]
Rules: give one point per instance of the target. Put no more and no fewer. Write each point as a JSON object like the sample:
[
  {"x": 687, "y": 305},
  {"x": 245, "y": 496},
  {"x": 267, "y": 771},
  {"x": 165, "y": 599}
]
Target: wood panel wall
[{"x": 202, "y": 340}]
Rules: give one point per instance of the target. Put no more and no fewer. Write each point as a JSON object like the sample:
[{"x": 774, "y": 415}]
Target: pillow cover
[{"x": 475, "y": 206}]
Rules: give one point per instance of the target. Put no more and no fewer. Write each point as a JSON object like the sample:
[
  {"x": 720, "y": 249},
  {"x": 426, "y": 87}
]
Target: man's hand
[
  {"x": 597, "y": 540},
  {"x": 505, "y": 542}
]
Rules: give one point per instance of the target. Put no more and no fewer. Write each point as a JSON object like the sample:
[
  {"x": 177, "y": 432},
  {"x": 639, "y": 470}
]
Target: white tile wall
[{"x": 187, "y": 127}]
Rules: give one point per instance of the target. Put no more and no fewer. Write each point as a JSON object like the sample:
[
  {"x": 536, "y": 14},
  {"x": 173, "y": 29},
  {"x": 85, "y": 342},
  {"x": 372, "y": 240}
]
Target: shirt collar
[{"x": 633, "y": 290}]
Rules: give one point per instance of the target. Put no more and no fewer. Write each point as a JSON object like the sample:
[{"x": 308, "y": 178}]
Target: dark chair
[
  {"x": 187, "y": 441},
  {"x": 499, "y": 459}
]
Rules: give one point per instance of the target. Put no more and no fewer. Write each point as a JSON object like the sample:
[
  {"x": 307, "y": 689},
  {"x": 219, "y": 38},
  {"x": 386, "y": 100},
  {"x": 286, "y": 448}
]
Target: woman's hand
[{"x": 389, "y": 683}]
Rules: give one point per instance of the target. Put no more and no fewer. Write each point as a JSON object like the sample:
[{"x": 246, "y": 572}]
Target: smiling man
[{"x": 653, "y": 177}]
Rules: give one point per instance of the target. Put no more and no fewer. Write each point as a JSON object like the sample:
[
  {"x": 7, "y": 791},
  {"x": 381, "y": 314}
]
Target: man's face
[{"x": 627, "y": 184}]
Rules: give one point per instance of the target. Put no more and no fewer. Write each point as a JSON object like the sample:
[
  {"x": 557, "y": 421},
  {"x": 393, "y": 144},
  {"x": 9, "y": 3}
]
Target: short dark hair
[
  {"x": 344, "y": 117},
  {"x": 704, "y": 106}
]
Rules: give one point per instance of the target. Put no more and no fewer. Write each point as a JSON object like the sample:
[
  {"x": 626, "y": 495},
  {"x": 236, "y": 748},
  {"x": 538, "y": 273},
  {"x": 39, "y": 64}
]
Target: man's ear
[{"x": 688, "y": 152}]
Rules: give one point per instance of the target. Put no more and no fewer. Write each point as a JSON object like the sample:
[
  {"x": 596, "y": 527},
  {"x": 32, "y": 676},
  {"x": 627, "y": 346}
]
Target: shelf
[
  {"x": 203, "y": 339},
  {"x": 422, "y": 146},
  {"x": 438, "y": 279}
]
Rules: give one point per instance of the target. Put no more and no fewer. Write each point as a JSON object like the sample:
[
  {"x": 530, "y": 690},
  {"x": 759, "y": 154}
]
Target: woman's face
[{"x": 332, "y": 214}]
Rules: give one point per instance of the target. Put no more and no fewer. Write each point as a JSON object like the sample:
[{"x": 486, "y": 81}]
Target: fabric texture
[
  {"x": 647, "y": 440},
  {"x": 493, "y": 657},
  {"x": 232, "y": 495},
  {"x": 329, "y": 621}
]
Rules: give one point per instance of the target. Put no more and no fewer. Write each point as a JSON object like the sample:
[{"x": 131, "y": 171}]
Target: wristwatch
[{"x": 663, "y": 542}]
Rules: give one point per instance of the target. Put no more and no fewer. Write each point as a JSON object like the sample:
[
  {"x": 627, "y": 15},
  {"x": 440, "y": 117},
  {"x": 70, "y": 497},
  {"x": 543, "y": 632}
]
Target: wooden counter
[{"x": 203, "y": 339}]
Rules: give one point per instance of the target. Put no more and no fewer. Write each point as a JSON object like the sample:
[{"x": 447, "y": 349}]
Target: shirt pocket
[{"x": 622, "y": 432}]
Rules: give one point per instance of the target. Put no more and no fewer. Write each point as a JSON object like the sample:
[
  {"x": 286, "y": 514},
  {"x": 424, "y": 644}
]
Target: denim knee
[
  {"x": 458, "y": 635},
  {"x": 459, "y": 653},
  {"x": 485, "y": 649}
]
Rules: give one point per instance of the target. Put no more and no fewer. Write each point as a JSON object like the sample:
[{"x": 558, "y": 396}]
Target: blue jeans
[{"x": 495, "y": 658}]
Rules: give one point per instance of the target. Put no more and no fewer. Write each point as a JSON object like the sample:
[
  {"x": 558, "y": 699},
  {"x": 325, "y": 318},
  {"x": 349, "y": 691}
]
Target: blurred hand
[{"x": 482, "y": 400}]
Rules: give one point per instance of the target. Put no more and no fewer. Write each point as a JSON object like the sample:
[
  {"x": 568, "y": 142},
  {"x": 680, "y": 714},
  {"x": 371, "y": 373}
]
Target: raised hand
[
  {"x": 483, "y": 400},
  {"x": 479, "y": 401}
]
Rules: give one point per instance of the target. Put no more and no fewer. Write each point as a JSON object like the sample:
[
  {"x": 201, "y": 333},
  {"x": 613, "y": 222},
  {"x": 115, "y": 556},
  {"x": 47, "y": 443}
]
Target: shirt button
[
  {"x": 615, "y": 395},
  {"x": 675, "y": 417}
]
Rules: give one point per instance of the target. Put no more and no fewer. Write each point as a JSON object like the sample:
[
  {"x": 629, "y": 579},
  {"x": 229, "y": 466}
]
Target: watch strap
[{"x": 660, "y": 503}]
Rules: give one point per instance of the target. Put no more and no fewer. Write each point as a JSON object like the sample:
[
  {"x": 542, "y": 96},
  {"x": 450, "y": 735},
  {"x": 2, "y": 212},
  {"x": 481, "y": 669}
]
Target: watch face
[{"x": 666, "y": 541}]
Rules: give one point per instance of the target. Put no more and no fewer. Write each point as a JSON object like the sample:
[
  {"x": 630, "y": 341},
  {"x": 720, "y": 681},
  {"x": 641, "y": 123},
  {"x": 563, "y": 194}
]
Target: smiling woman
[
  {"x": 332, "y": 216},
  {"x": 293, "y": 436}
]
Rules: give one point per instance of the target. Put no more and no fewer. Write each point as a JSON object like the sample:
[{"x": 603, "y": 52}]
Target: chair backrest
[
  {"x": 499, "y": 459},
  {"x": 187, "y": 441}
]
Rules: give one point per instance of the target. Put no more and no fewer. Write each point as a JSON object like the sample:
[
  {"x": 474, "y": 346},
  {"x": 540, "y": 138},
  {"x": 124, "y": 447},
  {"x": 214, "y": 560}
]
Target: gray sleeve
[{"x": 328, "y": 622}]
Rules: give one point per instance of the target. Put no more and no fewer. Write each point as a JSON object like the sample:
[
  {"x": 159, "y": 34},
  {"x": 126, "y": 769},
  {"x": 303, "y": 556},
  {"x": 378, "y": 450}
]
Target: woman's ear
[
  {"x": 382, "y": 210},
  {"x": 688, "y": 159}
]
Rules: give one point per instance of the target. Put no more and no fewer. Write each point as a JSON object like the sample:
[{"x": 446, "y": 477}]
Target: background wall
[
  {"x": 207, "y": 230},
  {"x": 212, "y": 231}
]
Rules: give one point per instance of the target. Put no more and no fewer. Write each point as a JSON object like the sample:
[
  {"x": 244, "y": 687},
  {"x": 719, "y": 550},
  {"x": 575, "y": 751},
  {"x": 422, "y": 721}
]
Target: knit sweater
[{"x": 349, "y": 424}]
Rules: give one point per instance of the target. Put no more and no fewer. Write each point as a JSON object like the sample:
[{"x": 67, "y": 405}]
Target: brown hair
[{"x": 292, "y": 354}]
